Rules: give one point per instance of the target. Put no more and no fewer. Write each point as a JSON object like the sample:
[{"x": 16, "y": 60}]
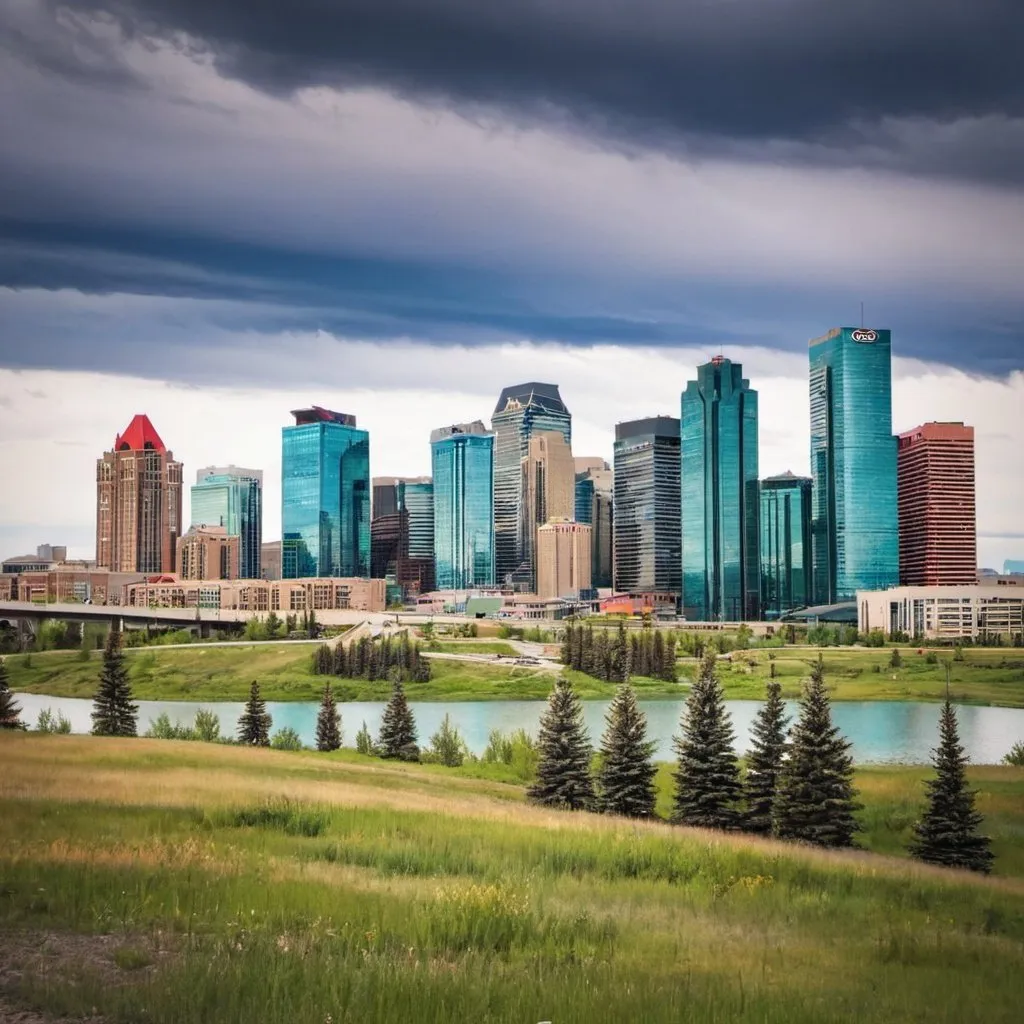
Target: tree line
[
  {"x": 396, "y": 660},
  {"x": 615, "y": 658}
]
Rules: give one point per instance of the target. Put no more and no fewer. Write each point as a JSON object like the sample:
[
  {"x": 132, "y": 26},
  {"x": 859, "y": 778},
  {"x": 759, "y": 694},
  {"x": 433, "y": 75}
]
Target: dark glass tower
[
  {"x": 325, "y": 496},
  {"x": 402, "y": 533},
  {"x": 785, "y": 544},
  {"x": 721, "y": 566},
  {"x": 646, "y": 520},
  {"x": 854, "y": 508},
  {"x": 522, "y": 411}
]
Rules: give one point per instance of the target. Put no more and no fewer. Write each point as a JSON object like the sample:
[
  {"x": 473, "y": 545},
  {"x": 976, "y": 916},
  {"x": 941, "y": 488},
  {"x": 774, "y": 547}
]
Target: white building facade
[{"x": 943, "y": 613}]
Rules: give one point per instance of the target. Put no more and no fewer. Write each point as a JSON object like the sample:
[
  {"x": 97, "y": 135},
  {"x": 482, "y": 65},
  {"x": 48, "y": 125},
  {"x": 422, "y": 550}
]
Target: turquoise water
[{"x": 881, "y": 731}]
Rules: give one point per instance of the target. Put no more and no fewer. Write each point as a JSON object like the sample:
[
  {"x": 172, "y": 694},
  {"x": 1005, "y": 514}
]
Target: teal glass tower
[
  {"x": 854, "y": 517},
  {"x": 719, "y": 484},
  {"x": 325, "y": 496},
  {"x": 785, "y": 544},
  {"x": 462, "y": 457},
  {"x": 233, "y": 498}
]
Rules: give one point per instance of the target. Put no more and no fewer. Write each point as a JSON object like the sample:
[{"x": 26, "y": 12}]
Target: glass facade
[
  {"x": 594, "y": 507},
  {"x": 462, "y": 458},
  {"x": 521, "y": 412},
  {"x": 325, "y": 496},
  {"x": 785, "y": 544},
  {"x": 232, "y": 498},
  {"x": 854, "y": 510},
  {"x": 721, "y": 569},
  {"x": 646, "y": 499}
]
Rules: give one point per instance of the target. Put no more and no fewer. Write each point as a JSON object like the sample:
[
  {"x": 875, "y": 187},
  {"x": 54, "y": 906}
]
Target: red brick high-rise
[
  {"x": 938, "y": 531},
  {"x": 138, "y": 502}
]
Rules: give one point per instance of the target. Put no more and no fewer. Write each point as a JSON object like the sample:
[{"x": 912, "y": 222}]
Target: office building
[
  {"x": 1012, "y": 566},
  {"x": 462, "y": 459},
  {"x": 208, "y": 553},
  {"x": 402, "y": 536},
  {"x": 138, "y": 502},
  {"x": 270, "y": 560},
  {"x": 944, "y": 613},
  {"x": 522, "y": 412},
  {"x": 325, "y": 496},
  {"x": 938, "y": 537},
  {"x": 52, "y": 552},
  {"x": 646, "y": 533},
  {"x": 785, "y": 544},
  {"x": 594, "y": 487},
  {"x": 854, "y": 523},
  {"x": 721, "y": 567},
  {"x": 549, "y": 492},
  {"x": 233, "y": 498},
  {"x": 563, "y": 559}
]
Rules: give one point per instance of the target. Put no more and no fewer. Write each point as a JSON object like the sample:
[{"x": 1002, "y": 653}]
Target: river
[{"x": 882, "y": 732}]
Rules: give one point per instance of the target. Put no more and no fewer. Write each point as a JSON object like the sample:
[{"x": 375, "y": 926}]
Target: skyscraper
[
  {"x": 785, "y": 544},
  {"x": 854, "y": 527},
  {"x": 233, "y": 498},
  {"x": 594, "y": 487},
  {"x": 462, "y": 457},
  {"x": 563, "y": 559},
  {"x": 138, "y": 502},
  {"x": 548, "y": 490},
  {"x": 646, "y": 523},
  {"x": 325, "y": 496},
  {"x": 721, "y": 567},
  {"x": 521, "y": 412},
  {"x": 402, "y": 533},
  {"x": 935, "y": 480}
]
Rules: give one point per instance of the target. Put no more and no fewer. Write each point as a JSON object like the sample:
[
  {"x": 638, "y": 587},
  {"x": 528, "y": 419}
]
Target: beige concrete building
[
  {"x": 270, "y": 560},
  {"x": 938, "y": 613},
  {"x": 208, "y": 553},
  {"x": 563, "y": 559},
  {"x": 72, "y": 583},
  {"x": 548, "y": 488}
]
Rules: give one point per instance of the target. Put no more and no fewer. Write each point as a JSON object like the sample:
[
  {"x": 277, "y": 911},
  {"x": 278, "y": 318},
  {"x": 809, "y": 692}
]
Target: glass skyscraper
[
  {"x": 785, "y": 544},
  {"x": 646, "y": 520},
  {"x": 720, "y": 567},
  {"x": 854, "y": 508},
  {"x": 462, "y": 457},
  {"x": 594, "y": 507},
  {"x": 325, "y": 496},
  {"x": 233, "y": 498},
  {"x": 522, "y": 411},
  {"x": 402, "y": 533}
]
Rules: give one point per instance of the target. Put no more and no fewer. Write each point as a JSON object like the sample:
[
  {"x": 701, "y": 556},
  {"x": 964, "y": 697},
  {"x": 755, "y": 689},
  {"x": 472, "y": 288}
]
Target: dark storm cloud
[{"x": 707, "y": 75}]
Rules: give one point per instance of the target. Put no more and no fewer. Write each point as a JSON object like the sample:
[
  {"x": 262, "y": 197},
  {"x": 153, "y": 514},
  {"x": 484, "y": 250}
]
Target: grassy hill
[{"x": 185, "y": 882}]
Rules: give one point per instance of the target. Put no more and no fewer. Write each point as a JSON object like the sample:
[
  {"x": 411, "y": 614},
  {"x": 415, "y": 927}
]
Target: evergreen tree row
[
  {"x": 615, "y": 658},
  {"x": 397, "y": 660}
]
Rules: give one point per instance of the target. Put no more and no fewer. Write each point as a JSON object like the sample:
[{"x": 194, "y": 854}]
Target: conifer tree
[
  {"x": 619, "y": 657},
  {"x": 658, "y": 655},
  {"x": 113, "y": 712},
  {"x": 669, "y": 669},
  {"x": 567, "y": 636},
  {"x": 10, "y": 710},
  {"x": 707, "y": 778},
  {"x": 764, "y": 762},
  {"x": 948, "y": 832},
  {"x": 626, "y": 780},
  {"x": 563, "y": 769},
  {"x": 815, "y": 798},
  {"x": 398, "y": 728},
  {"x": 328, "y": 722},
  {"x": 254, "y": 724}
]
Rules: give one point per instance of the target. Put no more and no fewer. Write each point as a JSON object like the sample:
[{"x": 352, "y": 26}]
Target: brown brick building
[{"x": 208, "y": 553}]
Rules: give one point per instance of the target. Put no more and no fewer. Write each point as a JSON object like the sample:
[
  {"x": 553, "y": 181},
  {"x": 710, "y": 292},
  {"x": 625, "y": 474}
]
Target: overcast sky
[{"x": 215, "y": 210}]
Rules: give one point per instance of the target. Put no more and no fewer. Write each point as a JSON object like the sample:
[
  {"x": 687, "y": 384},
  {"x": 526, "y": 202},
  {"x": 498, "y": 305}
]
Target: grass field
[{"x": 167, "y": 882}]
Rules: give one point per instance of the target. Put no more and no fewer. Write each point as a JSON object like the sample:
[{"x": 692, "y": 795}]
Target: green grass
[
  {"x": 240, "y": 885},
  {"x": 474, "y": 647}
]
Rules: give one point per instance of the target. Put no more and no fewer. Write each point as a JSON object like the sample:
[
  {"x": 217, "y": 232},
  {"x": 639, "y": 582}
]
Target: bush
[
  {"x": 49, "y": 724},
  {"x": 447, "y": 746},
  {"x": 1016, "y": 755},
  {"x": 162, "y": 728},
  {"x": 281, "y": 816},
  {"x": 207, "y": 726},
  {"x": 364, "y": 742},
  {"x": 516, "y": 749},
  {"x": 286, "y": 739}
]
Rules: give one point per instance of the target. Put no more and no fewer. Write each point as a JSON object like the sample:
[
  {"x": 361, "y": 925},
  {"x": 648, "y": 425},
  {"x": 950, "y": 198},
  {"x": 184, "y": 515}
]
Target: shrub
[
  {"x": 447, "y": 745},
  {"x": 162, "y": 728},
  {"x": 1016, "y": 755},
  {"x": 516, "y": 749},
  {"x": 286, "y": 739},
  {"x": 364, "y": 742},
  {"x": 50, "y": 724},
  {"x": 207, "y": 726}
]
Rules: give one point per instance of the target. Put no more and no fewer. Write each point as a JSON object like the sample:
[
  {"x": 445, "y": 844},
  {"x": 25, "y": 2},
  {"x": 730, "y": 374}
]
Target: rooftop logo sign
[{"x": 864, "y": 335}]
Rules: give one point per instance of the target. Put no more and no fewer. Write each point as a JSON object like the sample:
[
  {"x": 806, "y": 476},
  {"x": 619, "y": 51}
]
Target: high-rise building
[
  {"x": 854, "y": 525},
  {"x": 138, "y": 502},
  {"x": 548, "y": 489},
  {"x": 462, "y": 457},
  {"x": 325, "y": 496},
  {"x": 209, "y": 553},
  {"x": 522, "y": 412},
  {"x": 937, "y": 529},
  {"x": 270, "y": 560},
  {"x": 563, "y": 559},
  {"x": 721, "y": 567},
  {"x": 233, "y": 498},
  {"x": 594, "y": 487},
  {"x": 402, "y": 536},
  {"x": 785, "y": 544},
  {"x": 646, "y": 525}
]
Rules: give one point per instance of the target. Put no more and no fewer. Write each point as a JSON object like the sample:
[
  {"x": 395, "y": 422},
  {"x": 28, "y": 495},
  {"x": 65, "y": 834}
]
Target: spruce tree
[
  {"x": 563, "y": 769},
  {"x": 764, "y": 762},
  {"x": 626, "y": 780},
  {"x": 254, "y": 725},
  {"x": 10, "y": 710},
  {"x": 815, "y": 798},
  {"x": 398, "y": 728},
  {"x": 328, "y": 722},
  {"x": 947, "y": 834},
  {"x": 619, "y": 657},
  {"x": 707, "y": 777},
  {"x": 114, "y": 713}
]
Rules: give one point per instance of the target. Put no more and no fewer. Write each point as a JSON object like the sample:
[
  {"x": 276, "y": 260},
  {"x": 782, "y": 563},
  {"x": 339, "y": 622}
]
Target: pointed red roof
[{"x": 138, "y": 435}]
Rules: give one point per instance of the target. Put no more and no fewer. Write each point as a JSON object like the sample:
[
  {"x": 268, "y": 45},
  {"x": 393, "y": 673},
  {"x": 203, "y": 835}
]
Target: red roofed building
[{"x": 138, "y": 502}]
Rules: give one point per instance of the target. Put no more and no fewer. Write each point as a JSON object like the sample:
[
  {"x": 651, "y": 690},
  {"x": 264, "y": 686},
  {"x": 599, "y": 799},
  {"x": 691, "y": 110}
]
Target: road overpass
[{"x": 120, "y": 615}]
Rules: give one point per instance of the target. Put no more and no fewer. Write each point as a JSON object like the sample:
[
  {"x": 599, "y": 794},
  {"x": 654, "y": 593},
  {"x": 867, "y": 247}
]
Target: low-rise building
[
  {"x": 208, "y": 553},
  {"x": 943, "y": 613},
  {"x": 72, "y": 583}
]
